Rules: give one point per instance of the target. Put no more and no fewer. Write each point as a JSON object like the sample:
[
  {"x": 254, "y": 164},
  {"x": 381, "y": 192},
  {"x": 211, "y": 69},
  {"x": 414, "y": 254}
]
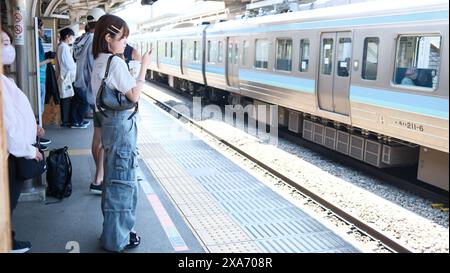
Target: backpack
[{"x": 59, "y": 173}]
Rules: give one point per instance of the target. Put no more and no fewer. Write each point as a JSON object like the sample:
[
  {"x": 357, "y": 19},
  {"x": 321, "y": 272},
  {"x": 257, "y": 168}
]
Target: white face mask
[{"x": 8, "y": 54}]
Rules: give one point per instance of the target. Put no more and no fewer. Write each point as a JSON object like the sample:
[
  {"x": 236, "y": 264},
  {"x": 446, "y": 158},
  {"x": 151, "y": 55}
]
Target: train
[{"x": 368, "y": 80}]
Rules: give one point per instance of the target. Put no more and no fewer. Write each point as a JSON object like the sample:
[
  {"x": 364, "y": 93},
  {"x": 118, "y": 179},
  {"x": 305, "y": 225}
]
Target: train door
[
  {"x": 232, "y": 62},
  {"x": 334, "y": 72}
]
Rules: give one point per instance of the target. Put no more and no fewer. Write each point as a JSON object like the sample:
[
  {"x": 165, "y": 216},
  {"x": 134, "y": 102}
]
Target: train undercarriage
[{"x": 376, "y": 149}]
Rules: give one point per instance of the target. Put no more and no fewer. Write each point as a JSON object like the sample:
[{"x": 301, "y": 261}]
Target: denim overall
[{"x": 120, "y": 189}]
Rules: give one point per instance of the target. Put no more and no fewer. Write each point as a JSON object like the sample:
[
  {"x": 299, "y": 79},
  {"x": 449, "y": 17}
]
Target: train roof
[
  {"x": 358, "y": 14},
  {"x": 352, "y": 15}
]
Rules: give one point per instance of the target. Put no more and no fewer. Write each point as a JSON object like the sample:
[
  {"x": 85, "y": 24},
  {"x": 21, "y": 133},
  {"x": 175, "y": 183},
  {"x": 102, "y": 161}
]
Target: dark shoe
[
  {"x": 78, "y": 126},
  {"x": 45, "y": 141},
  {"x": 65, "y": 125},
  {"x": 20, "y": 247},
  {"x": 135, "y": 240},
  {"x": 86, "y": 122},
  {"x": 96, "y": 189}
]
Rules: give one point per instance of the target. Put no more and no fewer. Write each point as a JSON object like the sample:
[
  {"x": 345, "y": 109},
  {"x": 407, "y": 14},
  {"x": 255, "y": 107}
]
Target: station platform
[{"x": 192, "y": 199}]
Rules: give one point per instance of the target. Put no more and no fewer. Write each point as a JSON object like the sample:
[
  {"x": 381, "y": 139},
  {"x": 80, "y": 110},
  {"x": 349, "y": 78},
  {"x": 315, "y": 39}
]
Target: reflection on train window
[
  {"x": 304, "y": 55},
  {"x": 327, "y": 56},
  {"x": 261, "y": 53},
  {"x": 417, "y": 61},
  {"x": 245, "y": 49},
  {"x": 344, "y": 56},
  {"x": 284, "y": 55},
  {"x": 220, "y": 52},
  {"x": 370, "y": 59}
]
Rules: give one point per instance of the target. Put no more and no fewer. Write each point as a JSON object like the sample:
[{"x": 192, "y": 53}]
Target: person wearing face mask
[
  {"x": 119, "y": 134},
  {"x": 68, "y": 69},
  {"x": 21, "y": 130}
]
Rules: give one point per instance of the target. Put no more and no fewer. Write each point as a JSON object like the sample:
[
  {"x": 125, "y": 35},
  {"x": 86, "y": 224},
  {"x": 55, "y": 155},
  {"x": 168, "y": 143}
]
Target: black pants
[
  {"x": 65, "y": 105},
  {"x": 79, "y": 106},
  {"x": 15, "y": 185}
]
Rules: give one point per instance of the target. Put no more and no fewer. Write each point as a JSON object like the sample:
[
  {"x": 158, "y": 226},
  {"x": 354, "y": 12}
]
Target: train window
[
  {"x": 171, "y": 50},
  {"x": 261, "y": 53},
  {"x": 327, "y": 56},
  {"x": 220, "y": 52},
  {"x": 176, "y": 50},
  {"x": 417, "y": 61},
  {"x": 370, "y": 59},
  {"x": 344, "y": 55},
  {"x": 160, "y": 49},
  {"x": 165, "y": 50},
  {"x": 304, "y": 55},
  {"x": 245, "y": 49},
  {"x": 284, "y": 55}
]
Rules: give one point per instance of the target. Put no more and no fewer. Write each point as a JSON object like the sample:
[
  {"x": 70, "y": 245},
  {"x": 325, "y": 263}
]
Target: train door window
[
  {"x": 417, "y": 61},
  {"x": 261, "y": 53},
  {"x": 304, "y": 55},
  {"x": 212, "y": 52},
  {"x": 220, "y": 52},
  {"x": 209, "y": 51},
  {"x": 344, "y": 55},
  {"x": 370, "y": 59},
  {"x": 196, "y": 51},
  {"x": 327, "y": 56},
  {"x": 235, "y": 53},
  {"x": 284, "y": 55},
  {"x": 245, "y": 49},
  {"x": 171, "y": 50}
]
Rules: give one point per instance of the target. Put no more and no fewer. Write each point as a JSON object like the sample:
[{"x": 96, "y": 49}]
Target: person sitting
[{"x": 410, "y": 76}]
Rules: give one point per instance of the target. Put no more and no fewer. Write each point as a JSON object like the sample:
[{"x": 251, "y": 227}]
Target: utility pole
[{"x": 20, "y": 20}]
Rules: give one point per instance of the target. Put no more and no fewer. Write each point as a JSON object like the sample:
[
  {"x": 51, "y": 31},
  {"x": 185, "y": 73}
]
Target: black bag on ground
[{"x": 59, "y": 173}]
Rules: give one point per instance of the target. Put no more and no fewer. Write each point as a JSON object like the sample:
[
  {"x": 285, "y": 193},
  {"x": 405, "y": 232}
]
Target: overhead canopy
[{"x": 76, "y": 10}]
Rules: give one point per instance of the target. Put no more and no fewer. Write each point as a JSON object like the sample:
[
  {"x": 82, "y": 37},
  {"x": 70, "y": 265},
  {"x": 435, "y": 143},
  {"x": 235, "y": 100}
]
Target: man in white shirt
[{"x": 67, "y": 71}]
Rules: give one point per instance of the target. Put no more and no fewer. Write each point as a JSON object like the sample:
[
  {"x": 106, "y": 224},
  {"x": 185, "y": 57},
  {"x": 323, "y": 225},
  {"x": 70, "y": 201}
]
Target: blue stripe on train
[
  {"x": 422, "y": 105},
  {"x": 274, "y": 80}
]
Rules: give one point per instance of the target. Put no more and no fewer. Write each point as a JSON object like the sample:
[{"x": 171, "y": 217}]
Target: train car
[
  {"x": 367, "y": 79},
  {"x": 177, "y": 54}
]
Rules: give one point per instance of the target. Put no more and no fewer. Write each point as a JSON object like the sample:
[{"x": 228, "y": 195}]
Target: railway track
[{"x": 384, "y": 241}]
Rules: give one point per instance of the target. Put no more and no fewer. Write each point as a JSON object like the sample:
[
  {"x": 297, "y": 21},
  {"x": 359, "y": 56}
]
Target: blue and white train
[{"x": 369, "y": 79}]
